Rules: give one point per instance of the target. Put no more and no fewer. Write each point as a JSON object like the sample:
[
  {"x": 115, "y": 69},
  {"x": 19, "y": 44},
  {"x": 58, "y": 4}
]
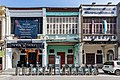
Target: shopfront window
[
  {"x": 51, "y": 59},
  {"x": 70, "y": 59},
  {"x": 99, "y": 59}
]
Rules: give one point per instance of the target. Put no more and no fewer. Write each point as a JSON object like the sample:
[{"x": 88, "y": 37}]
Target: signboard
[
  {"x": 25, "y": 45},
  {"x": 26, "y": 29},
  {"x": 62, "y": 13},
  {"x": 99, "y": 10},
  {"x": 57, "y": 65}
]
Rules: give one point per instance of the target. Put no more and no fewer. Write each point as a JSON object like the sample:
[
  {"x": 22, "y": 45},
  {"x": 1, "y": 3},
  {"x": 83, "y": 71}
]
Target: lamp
[
  {"x": 109, "y": 3},
  {"x": 93, "y": 3}
]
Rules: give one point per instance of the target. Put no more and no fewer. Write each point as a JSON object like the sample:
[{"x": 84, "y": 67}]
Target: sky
[{"x": 52, "y": 3}]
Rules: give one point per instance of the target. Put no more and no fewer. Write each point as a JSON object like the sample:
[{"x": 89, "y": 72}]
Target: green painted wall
[
  {"x": 2, "y": 53},
  {"x": 59, "y": 48}
]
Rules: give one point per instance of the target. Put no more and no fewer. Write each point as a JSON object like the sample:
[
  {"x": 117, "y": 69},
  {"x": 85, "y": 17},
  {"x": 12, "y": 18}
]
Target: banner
[
  {"x": 105, "y": 26},
  {"x": 26, "y": 29}
]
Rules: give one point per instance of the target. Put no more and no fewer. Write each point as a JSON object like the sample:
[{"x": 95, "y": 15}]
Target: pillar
[
  {"x": 36, "y": 56},
  {"x": 26, "y": 51},
  {"x": 80, "y": 53},
  {"x": 8, "y": 58},
  {"x": 44, "y": 55},
  {"x": 116, "y": 51},
  {"x": 119, "y": 52}
]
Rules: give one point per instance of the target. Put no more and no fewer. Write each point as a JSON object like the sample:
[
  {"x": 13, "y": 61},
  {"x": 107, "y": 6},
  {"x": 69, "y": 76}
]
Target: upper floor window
[
  {"x": 95, "y": 25},
  {"x": 62, "y": 25}
]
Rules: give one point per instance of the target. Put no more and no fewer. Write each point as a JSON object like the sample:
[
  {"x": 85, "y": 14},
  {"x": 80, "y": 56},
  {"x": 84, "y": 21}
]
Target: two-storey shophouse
[
  {"x": 63, "y": 35},
  {"x": 98, "y": 33}
]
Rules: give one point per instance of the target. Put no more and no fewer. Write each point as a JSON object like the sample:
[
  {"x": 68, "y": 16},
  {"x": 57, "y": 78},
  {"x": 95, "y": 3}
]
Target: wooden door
[
  {"x": 62, "y": 57},
  {"x": 90, "y": 58}
]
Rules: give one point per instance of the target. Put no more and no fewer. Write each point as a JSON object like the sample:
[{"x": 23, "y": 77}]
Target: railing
[{"x": 99, "y": 37}]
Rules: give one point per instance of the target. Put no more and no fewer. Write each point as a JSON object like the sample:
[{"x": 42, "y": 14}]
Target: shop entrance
[
  {"x": 0, "y": 63},
  {"x": 62, "y": 57},
  {"x": 90, "y": 58},
  {"x": 40, "y": 60},
  {"x": 32, "y": 58}
]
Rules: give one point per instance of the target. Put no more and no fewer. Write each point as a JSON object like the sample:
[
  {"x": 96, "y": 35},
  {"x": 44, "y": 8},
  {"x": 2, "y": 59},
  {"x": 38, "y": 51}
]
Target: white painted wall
[{"x": 93, "y": 49}]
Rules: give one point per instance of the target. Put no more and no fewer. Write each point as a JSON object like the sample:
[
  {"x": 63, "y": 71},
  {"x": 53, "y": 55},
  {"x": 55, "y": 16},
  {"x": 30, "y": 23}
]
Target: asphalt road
[
  {"x": 57, "y": 77},
  {"x": 6, "y": 75}
]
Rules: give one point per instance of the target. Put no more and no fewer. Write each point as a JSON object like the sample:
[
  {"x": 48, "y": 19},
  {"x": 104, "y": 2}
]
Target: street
[
  {"x": 59, "y": 77},
  {"x": 10, "y": 75}
]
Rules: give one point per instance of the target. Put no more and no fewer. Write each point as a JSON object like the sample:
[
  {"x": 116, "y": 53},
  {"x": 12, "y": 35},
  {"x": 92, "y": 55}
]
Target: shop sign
[
  {"x": 26, "y": 29},
  {"x": 62, "y": 13},
  {"x": 99, "y": 10},
  {"x": 25, "y": 45}
]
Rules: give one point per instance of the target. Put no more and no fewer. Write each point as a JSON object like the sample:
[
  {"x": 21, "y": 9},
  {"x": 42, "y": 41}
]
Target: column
[
  {"x": 103, "y": 51},
  {"x": 74, "y": 53},
  {"x": 8, "y": 58},
  {"x": 118, "y": 52},
  {"x": 44, "y": 55},
  {"x": 26, "y": 51},
  {"x": 80, "y": 53},
  {"x": 36, "y": 56}
]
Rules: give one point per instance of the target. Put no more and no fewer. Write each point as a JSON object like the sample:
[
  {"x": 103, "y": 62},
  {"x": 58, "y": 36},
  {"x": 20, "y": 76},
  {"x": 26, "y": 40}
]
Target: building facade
[
  {"x": 99, "y": 33},
  {"x": 2, "y": 34},
  {"x": 78, "y": 35},
  {"x": 25, "y": 41},
  {"x": 63, "y": 35},
  {"x": 118, "y": 28}
]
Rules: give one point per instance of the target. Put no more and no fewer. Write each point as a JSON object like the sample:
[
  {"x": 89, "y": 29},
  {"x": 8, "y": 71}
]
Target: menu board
[{"x": 26, "y": 29}]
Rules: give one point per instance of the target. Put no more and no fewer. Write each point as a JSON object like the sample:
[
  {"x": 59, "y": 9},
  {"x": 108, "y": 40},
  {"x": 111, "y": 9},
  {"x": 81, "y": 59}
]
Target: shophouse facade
[
  {"x": 118, "y": 28},
  {"x": 83, "y": 35},
  {"x": 25, "y": 37},
  {"x": 98, "y": 33},
  {"x": 2, "y": 34},
  {"x": 63, "y": 25}
]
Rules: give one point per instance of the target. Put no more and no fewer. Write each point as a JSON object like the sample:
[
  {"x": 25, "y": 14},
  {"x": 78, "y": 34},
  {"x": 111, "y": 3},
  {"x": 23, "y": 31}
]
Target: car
[{"x": 112, "y": 67}]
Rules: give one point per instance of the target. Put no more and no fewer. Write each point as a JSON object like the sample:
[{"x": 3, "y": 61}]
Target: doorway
[
  {"x": 0, "y": 63},
  {"x": 32, "y": 58},
  {"x": 40, "y": 60},
  {"x": 90, "y": 58},
  {"x": 62, "y": 57}
]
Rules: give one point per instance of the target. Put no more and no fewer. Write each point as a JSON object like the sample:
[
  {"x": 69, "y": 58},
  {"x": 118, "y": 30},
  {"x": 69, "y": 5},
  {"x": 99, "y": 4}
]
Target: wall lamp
[
  {"x": 93, "y": 3},
  {"x": 109, "y": 3}
]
